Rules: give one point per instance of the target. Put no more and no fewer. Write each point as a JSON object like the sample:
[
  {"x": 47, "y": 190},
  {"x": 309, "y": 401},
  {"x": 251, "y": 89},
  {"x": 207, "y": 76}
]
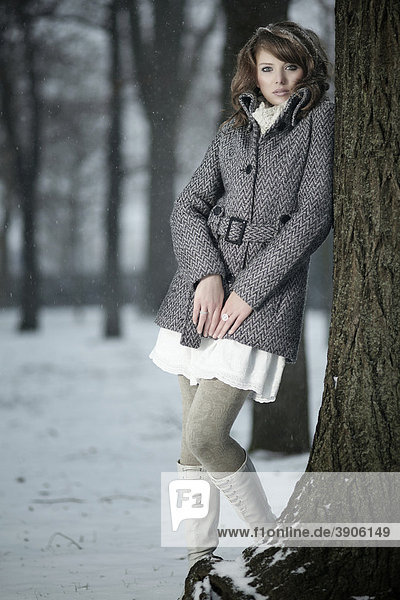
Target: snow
[
  {"x": 299, "y": 570},
  {"x": 87, "y": 425},
  {"x": 236, "y": 571},
  {"x": 200, "y": 587}
]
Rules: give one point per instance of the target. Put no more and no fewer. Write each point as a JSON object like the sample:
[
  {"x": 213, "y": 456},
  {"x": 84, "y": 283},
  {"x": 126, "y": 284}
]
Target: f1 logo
[{"x": 188, "y": 499}]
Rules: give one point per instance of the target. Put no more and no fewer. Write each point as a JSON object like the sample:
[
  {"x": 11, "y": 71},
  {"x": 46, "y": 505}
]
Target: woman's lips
[{"x": 280, "y": 93}]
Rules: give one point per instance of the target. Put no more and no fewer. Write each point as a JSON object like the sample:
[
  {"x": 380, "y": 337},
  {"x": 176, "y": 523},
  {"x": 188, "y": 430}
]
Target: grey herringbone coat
[{"x": 254, "y": 211}]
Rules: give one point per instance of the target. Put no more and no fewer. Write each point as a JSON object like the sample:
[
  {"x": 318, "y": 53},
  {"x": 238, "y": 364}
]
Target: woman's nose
[{"x": 280, "y": 77}]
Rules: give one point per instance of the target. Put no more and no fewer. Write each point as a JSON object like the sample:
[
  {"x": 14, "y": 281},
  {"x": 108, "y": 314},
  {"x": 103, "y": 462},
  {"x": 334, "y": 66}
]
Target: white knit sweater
[{"x": 267, "y": 115}]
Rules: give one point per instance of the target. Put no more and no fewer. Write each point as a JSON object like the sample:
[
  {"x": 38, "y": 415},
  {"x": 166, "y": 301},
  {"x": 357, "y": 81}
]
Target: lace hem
[{"x": 222, "y": 376}]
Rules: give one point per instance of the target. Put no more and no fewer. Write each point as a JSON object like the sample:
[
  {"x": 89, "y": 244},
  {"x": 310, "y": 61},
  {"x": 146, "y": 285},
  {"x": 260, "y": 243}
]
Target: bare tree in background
[
  {"x": 358, "y": 427},
  {"x": 166, "y": 56},
  {"x": 282, "y": 426},
  {"x": 7, "y": 206},
  {"x": 52, "y": 120},
  {"x": 23, "y": 139},
  {"x": 112, "y": 264}
]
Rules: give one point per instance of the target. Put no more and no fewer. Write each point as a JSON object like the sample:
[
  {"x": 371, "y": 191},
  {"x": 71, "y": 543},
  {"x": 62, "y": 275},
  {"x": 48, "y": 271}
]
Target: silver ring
[
  {"x": 204, "y": 312},
  {"x": 224, "y": 316}
]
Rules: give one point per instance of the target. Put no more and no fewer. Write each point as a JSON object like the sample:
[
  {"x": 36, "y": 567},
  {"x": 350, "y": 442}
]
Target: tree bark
[{"x": 358, "y": 428}]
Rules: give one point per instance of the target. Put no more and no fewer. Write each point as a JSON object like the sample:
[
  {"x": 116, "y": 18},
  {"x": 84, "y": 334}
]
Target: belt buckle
[{"x": 243, "y": 223}]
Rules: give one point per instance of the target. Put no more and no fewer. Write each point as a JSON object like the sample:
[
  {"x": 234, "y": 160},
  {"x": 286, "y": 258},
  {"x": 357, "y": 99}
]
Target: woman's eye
[{"x": 290, "y": 67}]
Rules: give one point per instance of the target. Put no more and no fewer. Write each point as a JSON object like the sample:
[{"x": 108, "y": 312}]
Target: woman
[{"x": 243, "y": 231}]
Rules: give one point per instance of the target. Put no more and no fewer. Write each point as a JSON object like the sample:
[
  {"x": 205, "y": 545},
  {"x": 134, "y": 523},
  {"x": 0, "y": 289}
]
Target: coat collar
[{"x": 289, "y": 115}]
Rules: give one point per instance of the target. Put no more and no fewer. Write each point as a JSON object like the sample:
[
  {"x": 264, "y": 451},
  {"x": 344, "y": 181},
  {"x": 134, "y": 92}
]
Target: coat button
[
  {"x": 248, "y": 169},
  {"x": 285, "y": 218},
  {"x": 217, "y": 210}
]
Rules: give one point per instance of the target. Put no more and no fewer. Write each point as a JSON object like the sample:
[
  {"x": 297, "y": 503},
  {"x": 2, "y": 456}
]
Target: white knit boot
[
  {"x": 201, "y": 534},
  {"x": 246, "y": 494}
]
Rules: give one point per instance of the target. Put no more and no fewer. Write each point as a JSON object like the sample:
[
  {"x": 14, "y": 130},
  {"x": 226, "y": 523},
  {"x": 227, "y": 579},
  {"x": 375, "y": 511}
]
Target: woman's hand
[
  {"x": 209, "y": 296},
  {"x": 238, "y": 310}
]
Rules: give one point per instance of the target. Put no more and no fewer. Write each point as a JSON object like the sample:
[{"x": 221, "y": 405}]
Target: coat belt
[{"x": 237, "y": 230}]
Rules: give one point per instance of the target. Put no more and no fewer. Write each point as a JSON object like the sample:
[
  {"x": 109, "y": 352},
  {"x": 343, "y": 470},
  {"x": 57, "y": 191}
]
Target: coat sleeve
[
  {"x": 196, "y": 252},
  {"x": 308, "y": 226}
]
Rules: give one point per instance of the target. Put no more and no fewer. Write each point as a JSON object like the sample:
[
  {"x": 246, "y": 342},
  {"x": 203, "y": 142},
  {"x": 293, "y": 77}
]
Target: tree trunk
[
  {"x": 242, "y": 20},
  {"x": 30, "y": 173},
  {"x": 282, "y": 425},
  {"x": 320, "y": 277},
  {"x": 4, "y": 254},
  {"x": 162, "y": 103},
  {"x": 112, "y": 276},
  {"x": 30, "y": 274},
  {"x": 25, "y": 150},
  {"x": 158, "y": 275},
  {"x": 163, "y": 93},
  {"x": 358, "y": 428}
]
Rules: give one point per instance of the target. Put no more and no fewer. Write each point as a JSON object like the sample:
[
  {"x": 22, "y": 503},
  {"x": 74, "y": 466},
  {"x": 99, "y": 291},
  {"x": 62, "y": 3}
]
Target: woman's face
[{"x": 276, "y": 79}]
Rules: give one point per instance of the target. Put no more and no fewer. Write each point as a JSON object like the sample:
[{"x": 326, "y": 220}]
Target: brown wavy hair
[{"x": 288, "y": 42}]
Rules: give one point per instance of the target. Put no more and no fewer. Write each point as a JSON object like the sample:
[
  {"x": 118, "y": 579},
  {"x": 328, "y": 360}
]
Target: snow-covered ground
[{"x": 87, "y": 425}]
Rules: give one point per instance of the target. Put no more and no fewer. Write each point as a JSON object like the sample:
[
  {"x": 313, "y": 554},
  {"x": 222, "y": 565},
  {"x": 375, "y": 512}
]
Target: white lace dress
[{"x": 229, "y": 361}]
